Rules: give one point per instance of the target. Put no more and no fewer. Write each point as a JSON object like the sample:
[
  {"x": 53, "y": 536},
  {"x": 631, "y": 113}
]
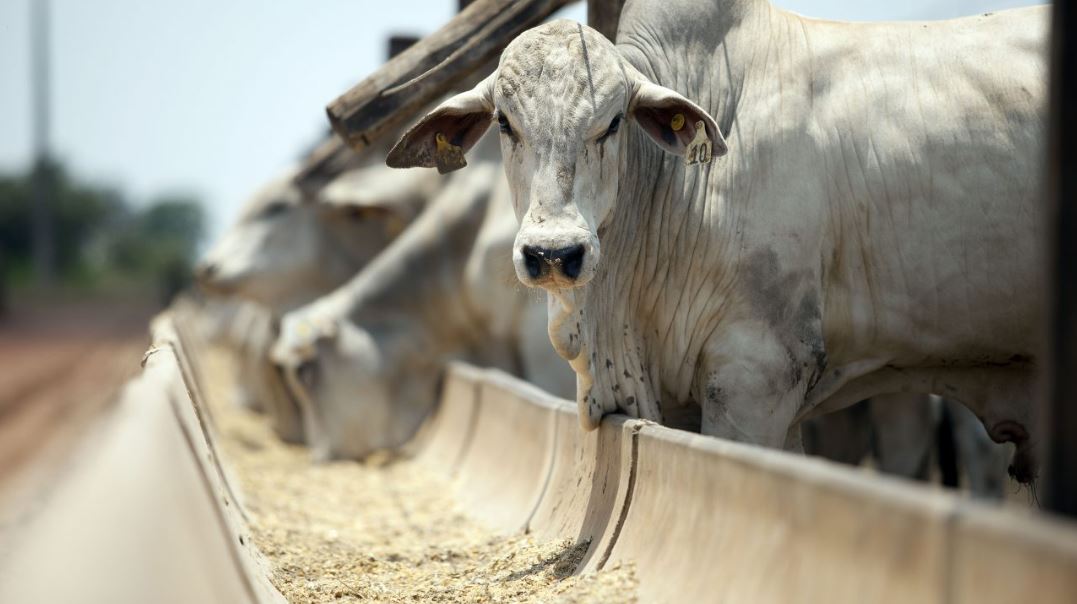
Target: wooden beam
[
  {"x": 1059, "y": 413},
  {"x": 332, "y": 157},
  {"x": 391, "y": 95},
  {"x": 604, "y": 15}
]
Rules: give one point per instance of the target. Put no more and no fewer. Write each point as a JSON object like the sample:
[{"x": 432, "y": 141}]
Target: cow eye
[
  {"x": 274, "y": 209},
  {"x": 355, "y": 213},
  {"x": 503, "y": 124},
  {"x": 615, "y": 125}
]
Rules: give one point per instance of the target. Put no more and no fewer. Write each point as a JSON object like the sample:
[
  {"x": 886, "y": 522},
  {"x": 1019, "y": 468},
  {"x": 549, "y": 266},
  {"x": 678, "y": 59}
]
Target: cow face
[
  {"x": 562, "y": 97},
  {"x": 287, "y": 248},
  {"x": 275, "y": 235}
]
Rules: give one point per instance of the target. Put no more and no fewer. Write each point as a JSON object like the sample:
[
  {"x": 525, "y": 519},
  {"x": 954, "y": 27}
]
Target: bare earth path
[
  {"x": 384, "y": 531},
  {"x": 61, "y": 365}
]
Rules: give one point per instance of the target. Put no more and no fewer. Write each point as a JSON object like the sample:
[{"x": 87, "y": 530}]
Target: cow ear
[
  {"x": 676, "y": 124},
  {"x": 441, "y": 138}
]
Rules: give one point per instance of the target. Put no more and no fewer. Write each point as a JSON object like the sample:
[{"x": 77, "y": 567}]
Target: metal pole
[
  {"x": 42, "y": 228},
  {"x": 1059, "y": 417}
]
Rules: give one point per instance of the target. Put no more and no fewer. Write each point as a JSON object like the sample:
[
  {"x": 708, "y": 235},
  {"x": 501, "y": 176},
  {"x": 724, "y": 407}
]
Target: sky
[{"x": 215, "y": 98}]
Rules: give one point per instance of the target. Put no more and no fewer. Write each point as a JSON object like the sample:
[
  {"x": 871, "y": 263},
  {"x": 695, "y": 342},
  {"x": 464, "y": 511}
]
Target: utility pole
[{"x": 44, "y": 244}]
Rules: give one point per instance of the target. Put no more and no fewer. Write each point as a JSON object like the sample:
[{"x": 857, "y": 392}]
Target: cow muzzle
[{"x": 553, "y": 267}]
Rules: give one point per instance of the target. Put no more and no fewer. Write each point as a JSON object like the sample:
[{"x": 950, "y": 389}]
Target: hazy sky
[{"x": 216, "y": 97}]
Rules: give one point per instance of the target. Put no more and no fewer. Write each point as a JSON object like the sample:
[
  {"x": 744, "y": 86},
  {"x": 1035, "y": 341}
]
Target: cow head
[
  {"x": 360, "y": 390},
  {"x": 562, "y": 97},
  {"x": 288, "y": 248}
]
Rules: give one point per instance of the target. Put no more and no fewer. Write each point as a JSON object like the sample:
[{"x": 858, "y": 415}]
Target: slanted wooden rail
[{"x": 390, "y": 96}]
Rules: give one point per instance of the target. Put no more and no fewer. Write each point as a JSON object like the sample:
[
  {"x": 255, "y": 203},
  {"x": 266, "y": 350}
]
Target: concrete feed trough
[{"x": 699, "y": 519}]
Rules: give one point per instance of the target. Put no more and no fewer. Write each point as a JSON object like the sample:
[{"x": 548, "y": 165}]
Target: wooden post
[
  {"x": 391, "y": 95},
  {"x": 399, "y": 43},
  {"x": 1059, "y": 411},
  {"x": 604, "y": 15}
]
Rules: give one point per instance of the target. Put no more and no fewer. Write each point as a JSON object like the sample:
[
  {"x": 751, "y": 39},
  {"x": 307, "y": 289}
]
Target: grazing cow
[
  {"x": 288, "y": 249},
  {"x": 875, "y": 227},
  {"x": 365, "y": 361}
]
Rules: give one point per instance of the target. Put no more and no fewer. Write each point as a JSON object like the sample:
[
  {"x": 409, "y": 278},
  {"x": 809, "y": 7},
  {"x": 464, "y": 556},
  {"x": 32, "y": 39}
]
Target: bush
[{"x": 99, "y": 238}]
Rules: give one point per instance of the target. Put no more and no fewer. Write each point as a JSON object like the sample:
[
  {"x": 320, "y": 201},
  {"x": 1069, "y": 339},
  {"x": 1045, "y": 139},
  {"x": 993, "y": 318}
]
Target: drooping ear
[
  {"x": 441, "y": 138},
  {"x": 678, "y": 125}
]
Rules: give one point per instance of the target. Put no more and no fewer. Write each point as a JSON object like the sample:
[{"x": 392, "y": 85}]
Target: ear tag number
[
  {"x": 677, "y": 122},
  {"x": 448, "y": 156},
  {"x": 699, "y": 150}
]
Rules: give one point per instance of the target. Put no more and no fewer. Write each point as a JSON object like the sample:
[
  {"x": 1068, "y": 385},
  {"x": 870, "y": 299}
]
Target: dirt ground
[
  {"x": 62, "y": 364},
  {"x": 384, "y": 532}
]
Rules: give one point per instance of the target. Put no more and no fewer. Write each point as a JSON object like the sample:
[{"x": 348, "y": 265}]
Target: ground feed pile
[{"x": 384, "y": 531}]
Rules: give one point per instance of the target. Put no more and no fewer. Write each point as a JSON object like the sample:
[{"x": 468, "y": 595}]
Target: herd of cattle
[{"x": 745, "y": 222}]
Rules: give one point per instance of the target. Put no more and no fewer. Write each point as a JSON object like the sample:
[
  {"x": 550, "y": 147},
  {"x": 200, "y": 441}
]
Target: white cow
[
  {"x": 874, "y": 228},
  {"x": 289, "y": 248},
  {"x": 366, "y": 360}
]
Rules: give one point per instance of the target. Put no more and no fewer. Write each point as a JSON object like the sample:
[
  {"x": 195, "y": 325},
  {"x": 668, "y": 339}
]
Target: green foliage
[{"x": 99, "y": 237}]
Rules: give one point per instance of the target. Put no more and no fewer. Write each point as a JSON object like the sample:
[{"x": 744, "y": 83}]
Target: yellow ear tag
[
  {"x": 699, "y": 150},
  {"x": 677, "y": 122},
  {"x": 448, "y": 156}
]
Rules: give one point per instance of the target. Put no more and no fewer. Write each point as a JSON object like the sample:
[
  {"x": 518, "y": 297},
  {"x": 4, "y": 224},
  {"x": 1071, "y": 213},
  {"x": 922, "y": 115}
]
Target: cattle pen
[{"x": 178, "y": 494}]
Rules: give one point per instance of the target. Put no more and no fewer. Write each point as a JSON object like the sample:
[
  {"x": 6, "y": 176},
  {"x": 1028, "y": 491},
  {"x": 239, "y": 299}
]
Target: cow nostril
[
  {"x": 533, "y": 261},
  {"x": 571, "y": 260}
]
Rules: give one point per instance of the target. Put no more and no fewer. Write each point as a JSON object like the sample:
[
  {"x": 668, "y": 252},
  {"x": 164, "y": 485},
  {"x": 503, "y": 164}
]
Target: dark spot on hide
[
  {"x": 800, "y": 323},
  {"x": 627, "y": 375},
  {"x": 616, "y": 387},
  {"x": 714, "y": 398},
  {"x": 808, "y": 327},
  {"x": 565, "y": 175},
  {"x": 631, "y": 402},
  {"x": 609, "y": 363},
  {"x": 768, "y": 287}
]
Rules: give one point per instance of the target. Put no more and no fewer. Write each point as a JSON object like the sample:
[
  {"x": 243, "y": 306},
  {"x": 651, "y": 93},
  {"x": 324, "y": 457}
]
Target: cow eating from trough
[
  {"x": 289, "y": 248},
  {"x": 365, "y": 361},
  {"x": 874, "y": 227}
]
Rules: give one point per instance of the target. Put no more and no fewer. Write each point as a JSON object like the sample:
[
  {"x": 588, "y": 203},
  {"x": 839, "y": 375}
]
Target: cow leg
[
  {"x": 750, "y": 389},
  {"x": 904, "y": 427},
  {"x": 843, "y": 436}
]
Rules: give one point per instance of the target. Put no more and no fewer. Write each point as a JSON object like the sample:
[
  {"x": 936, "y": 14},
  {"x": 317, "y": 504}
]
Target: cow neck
[
  {"x": 670, "y": 247},
  {"x": 416, "y": 280}
]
